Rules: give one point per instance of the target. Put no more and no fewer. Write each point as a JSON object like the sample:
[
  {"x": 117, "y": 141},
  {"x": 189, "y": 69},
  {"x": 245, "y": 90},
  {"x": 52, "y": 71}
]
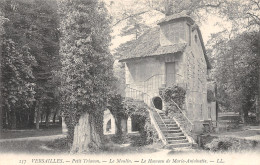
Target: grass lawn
[
  {"x": 51, "y": 130},
  {"x": 59, "y": 146}
]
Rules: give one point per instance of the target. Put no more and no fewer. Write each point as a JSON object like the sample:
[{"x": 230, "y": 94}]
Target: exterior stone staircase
[{"x": 174, "y": 136}]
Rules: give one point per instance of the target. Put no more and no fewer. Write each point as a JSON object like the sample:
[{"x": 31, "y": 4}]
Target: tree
[
  {"x": 245, "y": 17},
  {"x": 18, "y": 86},
  {"x": 35, "y": 24},
  {"x": 235, "y": 62},
  {"x": 86, "y": 72},
  {"x": 2, "y": 20}
]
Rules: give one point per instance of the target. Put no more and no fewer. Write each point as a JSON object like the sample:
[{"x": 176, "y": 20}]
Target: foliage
[
  {"x": 33, "y": 25},
  {"x": 173, "y": 94},
  {"x": 18, "y": 89},
  {"x": 236, "y": 56},
  {"x": 210, "y": 96},
  {"x": 116, "y": 106},
  {"x": 148, "y": 134},
  {"x": 135, "y": 107},
  {"x": 230, "y": 144},
  {"x": 134, "y": 26},
  {"x": 86, "y": 72},
  {"x": 236, "y": 71}
]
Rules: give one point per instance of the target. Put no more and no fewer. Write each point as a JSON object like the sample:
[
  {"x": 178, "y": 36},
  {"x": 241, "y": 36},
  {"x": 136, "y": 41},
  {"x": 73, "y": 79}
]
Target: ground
[
  {"x": 52, "y": 141},
  {"x": 244, "y": 132}
]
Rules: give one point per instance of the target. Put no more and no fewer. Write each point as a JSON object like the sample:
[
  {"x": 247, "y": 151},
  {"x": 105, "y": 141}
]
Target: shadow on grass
[{"x": 131, "y": 145}]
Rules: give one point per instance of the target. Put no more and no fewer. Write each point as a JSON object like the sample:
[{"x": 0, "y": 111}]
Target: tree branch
[
  {"x": 257, "y": 3},
  {"x": 132, "y": 15},
  {"x": 213, "y": 6},
  {"x": 255, "y": 17}
]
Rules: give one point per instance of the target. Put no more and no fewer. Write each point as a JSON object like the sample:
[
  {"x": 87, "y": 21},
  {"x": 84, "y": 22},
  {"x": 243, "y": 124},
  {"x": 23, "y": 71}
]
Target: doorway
[{"x": 157, "y": 101}]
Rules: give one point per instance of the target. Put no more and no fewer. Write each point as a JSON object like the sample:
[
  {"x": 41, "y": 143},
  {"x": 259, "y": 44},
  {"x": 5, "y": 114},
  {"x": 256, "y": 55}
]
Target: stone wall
[{"x": 195, "y": 71}]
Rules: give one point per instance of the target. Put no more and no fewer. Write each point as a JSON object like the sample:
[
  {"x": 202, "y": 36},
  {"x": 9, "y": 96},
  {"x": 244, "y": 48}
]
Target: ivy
[
  {"x": 173, "y": 94},
  {"x": 86, "y": 71}
]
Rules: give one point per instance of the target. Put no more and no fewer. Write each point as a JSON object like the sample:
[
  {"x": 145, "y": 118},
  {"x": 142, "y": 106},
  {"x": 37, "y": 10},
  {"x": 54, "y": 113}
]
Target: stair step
[
  {"x": 170, "y": 128},
  {"x": 178, "y": 141},
  {"x": 168, "y": 125},
  {"x": 171, "y": 131},
  {"x": 174, "y": 134},
  {"x": 180, "y": 145},
  {"x": 176, "y": 138}
]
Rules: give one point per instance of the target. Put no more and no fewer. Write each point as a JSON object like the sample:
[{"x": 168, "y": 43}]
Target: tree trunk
[
  {"x": 41, "y": 117},
  {"x": 47, "y": 118},
  {"x": 13, "y": 120},
  {"x": 86, "y": 135},
  {"x": 54, "y": 118},
  {"x": 245, "y": 115},
  {"x": 124, "y": 126},
  {"x": 1, "y": 85},
  {"x": 119, "y": 131},
  {"x": 258, "y": 98},
  {"x": 32, "y": 116},
  {"x": 38, "y": 116}
]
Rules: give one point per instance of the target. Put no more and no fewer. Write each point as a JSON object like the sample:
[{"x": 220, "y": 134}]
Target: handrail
[
  {"x": 183, "y": 113},
  {"x": 152, "y": 83},
  {"x": 157, "y": 75},
  {"x": 151, "y": 77}
]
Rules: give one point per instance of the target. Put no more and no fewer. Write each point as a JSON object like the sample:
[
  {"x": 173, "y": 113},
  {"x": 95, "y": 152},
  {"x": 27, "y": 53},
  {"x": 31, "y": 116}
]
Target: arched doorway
[{"x": 157, "y": 101}]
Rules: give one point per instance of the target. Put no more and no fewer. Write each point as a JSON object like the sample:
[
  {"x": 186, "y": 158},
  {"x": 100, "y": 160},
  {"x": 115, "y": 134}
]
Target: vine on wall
[{"x": 173, "y": 94}]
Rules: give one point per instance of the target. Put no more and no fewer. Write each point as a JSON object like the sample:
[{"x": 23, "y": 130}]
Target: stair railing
[
  {"x": 192, "y": 125},
  {"x": 154, "y": 82}
]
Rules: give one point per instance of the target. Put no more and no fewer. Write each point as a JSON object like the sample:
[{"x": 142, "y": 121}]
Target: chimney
[{"x": 175, "y": 29}]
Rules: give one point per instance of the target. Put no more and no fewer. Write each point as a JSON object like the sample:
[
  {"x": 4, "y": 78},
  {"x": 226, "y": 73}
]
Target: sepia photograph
[{"x": 171, "y": 82}]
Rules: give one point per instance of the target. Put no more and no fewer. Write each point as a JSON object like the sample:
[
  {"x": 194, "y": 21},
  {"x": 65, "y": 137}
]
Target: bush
[
  {"x": 231, "y": 144},
  {"x": 148, "y": 135},
  {"x": 174, "y": 93}
]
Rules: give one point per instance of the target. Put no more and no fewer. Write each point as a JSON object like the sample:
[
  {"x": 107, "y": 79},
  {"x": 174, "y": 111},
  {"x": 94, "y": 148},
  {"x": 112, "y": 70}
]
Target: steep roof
[
  {"x": 176, "y": 16},
  {"x": 149, "y": 45}
]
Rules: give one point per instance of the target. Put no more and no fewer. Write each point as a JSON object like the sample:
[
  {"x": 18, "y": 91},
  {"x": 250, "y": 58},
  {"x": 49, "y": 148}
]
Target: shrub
[
  {"x": 231, "y": 144},
  {"x": 148, "y": 135},
  {"x": 174, "y": 93}
]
